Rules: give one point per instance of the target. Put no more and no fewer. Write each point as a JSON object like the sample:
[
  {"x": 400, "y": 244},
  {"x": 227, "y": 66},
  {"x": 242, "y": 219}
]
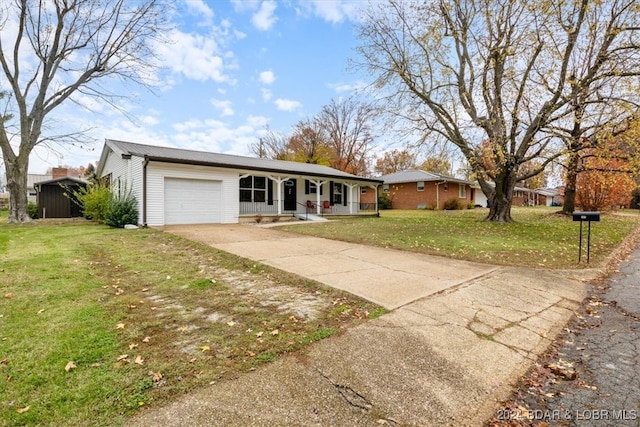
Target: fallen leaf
[
  {"x": 259, "y": 334},
  {"x": 183, "y": 328},
  {"x": 95, "y": 365},
  {"x": 123, "y": 357},
  {"x": 120, "y": 326},
  {"x": 146, "y": 339},
  {"x": 145, "y": 289},
  {"x": 8, "y": 296},
  {"x": 23, "y": 410},
  {"x": 132, "y": 346},
  {"x": 157, "y": 376},
  {"x": 231, "y": 323},
  {"x": 70, "y": 365},
  {"x": 275, "y": 332},
  {"x": 205, "y": 348},
  {"x": 41, "y": 311},
  {"x": 139, "y": 360}
]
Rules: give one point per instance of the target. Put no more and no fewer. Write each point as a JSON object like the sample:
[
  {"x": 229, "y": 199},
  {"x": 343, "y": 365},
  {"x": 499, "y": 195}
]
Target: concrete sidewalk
[{"x": 460, "y": 334}]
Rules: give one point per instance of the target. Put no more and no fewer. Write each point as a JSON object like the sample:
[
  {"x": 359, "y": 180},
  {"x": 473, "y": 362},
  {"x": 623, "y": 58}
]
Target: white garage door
[{"x": 192, "y": 201}]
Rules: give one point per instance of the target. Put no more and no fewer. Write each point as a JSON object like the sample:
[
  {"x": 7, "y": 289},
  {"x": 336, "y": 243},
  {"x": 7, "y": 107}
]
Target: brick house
[{"x": 417, "y": 189}]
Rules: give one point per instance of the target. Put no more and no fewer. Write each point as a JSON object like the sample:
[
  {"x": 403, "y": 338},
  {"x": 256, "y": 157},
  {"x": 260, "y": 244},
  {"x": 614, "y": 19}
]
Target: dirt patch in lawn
[{"x": 194, "y": 315}]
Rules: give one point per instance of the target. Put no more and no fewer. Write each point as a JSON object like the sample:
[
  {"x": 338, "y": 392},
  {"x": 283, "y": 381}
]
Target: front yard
[
  {"x": 97, "y": 323},
  {"x": 538, "y": 237}
]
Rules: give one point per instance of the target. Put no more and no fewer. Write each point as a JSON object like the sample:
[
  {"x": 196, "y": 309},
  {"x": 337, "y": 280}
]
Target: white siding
[
  {"x": 126, "y": 174},
  {"x": 157, "y": 172}
]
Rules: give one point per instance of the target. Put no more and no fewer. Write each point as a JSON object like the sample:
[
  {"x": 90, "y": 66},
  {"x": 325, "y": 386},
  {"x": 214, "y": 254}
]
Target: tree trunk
[
  {"x": 501, "y": 198},
  {"x": 17, "y": 184},
  {"x": 569, "y": 204}
]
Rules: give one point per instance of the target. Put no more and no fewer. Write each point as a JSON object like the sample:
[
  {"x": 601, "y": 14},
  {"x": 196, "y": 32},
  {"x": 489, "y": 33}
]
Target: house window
[
  {"x": 420, "y": 185},
  {"x": 363, "y": 190},
  {"x": 385, "y": 188},
  {"x": 462, "y": 191},
  {"x": 337, "y": 193},
  {"x": 446, "y": 186},
  {"x": 253, "y": 189},
  {"x": 313, "y": 188}
]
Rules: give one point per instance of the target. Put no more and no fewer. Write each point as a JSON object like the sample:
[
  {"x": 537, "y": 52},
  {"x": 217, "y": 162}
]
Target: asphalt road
[{"x": 593, "y": 376}]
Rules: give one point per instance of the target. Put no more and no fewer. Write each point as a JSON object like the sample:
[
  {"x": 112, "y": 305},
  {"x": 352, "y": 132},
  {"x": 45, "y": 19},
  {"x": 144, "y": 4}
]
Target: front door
[{"x": 290, "y": 195}]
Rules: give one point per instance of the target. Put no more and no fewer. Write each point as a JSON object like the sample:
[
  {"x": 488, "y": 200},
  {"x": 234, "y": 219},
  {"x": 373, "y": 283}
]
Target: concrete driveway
[
  {"x": 390, "y": 278},
  {"x": 459, "y": 336}
]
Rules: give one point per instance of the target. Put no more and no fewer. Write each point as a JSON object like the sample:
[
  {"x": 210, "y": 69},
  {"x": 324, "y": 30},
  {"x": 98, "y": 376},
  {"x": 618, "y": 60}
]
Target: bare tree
[
  {"x": 53, "y": 50},
  {"x": 499, "y": 71},
  {"x": 347, "y": 125},
  {"x": 273, "y": 145}
]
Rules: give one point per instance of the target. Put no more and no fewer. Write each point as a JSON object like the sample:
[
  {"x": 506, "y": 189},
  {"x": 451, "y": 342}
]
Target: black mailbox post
[{"x": 588, "y": 217}]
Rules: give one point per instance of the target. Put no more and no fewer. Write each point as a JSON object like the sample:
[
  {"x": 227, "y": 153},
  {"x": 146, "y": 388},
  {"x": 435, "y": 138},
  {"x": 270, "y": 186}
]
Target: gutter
[
  {"x": 252, "y": 168},
  {"x": 144, "y": 191},
  {"x": 438, "y": 193}
]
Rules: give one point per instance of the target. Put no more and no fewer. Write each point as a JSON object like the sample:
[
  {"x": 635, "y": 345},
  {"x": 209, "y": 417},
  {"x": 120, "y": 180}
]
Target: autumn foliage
[{"x": 603, "y": 185}]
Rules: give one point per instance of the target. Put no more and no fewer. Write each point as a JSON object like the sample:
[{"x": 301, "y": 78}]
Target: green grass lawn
[
  {"x": 97, "y": 323},
  {"x": 538, "y": 237}
]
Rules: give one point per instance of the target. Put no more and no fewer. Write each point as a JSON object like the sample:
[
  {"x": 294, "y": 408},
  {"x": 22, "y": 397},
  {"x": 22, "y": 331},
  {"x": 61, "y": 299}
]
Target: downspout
[
  {"x": 438, "y": 194},
  {"x": 144, "y": 190}
]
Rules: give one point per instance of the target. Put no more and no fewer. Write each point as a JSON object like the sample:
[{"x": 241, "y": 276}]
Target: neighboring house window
[
  {"x": 446, "y": 186},
  {"x": 337, "y": 193},
  {"x": 32, "y": 193},
  {"x": 462, "y": 191},
  {"x": 363, "y": 190},
  {"x": 313, "y": 189},
  {"x": 420, "y": 185},
  {"x": 253, "y": 189},
  {"x": 385, "y": 188}
]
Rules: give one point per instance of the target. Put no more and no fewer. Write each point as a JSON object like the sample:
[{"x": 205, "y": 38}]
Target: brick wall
[
  {"x": 407, "y": 196},
  {"x": 58, "y": 173}
]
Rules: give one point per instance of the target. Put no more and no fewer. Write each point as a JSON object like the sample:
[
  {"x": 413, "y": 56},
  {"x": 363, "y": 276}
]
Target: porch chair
[{"x": 326, "y": 206}]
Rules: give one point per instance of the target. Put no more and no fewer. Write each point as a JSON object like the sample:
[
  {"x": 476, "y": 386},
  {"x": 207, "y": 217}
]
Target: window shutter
[
  {"x": 331, "y": 192},
  {"x": 269, "y": 192},
  {"x": 321, "y": 185},
  {"x": 344, "y": 195},
  {"x": 306, "y": 186}
]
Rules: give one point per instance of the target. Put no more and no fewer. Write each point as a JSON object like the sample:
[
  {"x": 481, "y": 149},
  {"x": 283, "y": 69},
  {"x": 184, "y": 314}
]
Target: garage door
[{"x": 192, "y": 201}]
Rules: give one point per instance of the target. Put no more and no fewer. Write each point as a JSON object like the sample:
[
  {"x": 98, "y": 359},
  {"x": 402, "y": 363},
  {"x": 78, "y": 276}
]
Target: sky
[{"x": 232, "y": 70}]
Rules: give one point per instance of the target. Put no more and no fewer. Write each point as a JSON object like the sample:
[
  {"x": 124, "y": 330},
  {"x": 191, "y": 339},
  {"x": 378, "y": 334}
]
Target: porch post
[
  {"x": 318, "y": 184},
  {"x": 279, "y": 180},
  {"x": 351, "y": 197}
]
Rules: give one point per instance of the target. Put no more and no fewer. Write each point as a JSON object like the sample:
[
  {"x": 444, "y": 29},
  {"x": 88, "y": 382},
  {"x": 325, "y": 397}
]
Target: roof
[
  {"x": 59, "y": 180},
  {"x": 193, "y": 157},
  {"x": 418, "y": 175}
]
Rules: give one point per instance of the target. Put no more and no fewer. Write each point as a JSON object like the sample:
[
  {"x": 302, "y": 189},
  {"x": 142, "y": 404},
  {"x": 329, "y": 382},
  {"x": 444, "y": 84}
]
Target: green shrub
[
  {"x": 123, "y": 210},
  {"x": 32, "y": 210},
  {"x": 95, "y": 201},
  {"x": 384, "y": 201},
  {"x": 454, "y": 204},
  {"x": 471, "y": 205}
]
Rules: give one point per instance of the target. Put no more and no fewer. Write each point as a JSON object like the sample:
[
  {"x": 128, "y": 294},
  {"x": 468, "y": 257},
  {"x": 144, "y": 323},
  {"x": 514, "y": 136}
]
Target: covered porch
[{"x": 286, "y": 195}]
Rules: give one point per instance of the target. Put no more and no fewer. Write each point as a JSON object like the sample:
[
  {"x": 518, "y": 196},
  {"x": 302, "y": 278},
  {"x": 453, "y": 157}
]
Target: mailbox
[{"x": 586, "y": 216}]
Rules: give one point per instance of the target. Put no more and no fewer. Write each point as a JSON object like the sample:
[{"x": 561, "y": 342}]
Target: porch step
[{"x": 310, "y": 217}]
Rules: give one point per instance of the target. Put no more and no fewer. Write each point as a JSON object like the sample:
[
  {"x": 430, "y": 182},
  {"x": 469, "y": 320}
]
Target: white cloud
[
  {"x": 199, "y": 8},
  {"x": 287, "y": 104},
  {"x": 334, "y": 11},
  {"x": 245, "y": 5},
  {"x": 267, "y": 77},
  {"x": 266, "y": 94},
  {"x": 347, "y": 87},
  {"x": 223, "y": 106},
  {"x": 264, "y": 18},
  {"x": 212, "y": 135},
  {"x": 195, "y": 56}
]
